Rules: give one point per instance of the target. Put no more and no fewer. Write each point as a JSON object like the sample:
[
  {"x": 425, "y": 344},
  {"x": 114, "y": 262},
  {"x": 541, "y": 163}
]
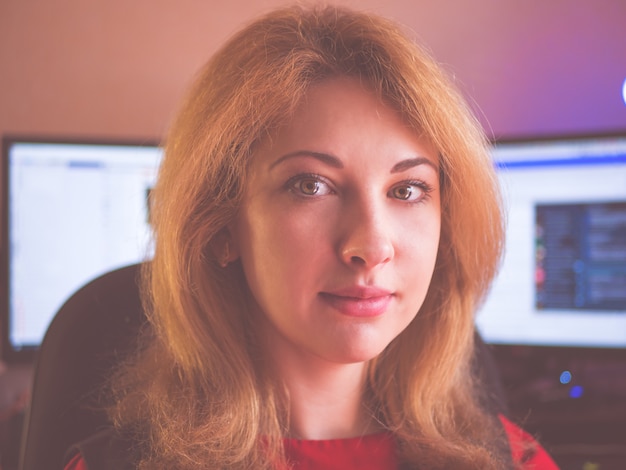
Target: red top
[{"x": 378, "y": 452}]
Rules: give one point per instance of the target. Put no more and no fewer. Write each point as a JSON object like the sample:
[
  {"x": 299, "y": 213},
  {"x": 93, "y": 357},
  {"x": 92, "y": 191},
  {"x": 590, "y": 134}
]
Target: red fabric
[
  {"x": 526, "y": 450},
  {"x": 377, "y": 452},
  {"x": 77, "y": 463},
  {"x": 372, "y": 452}
]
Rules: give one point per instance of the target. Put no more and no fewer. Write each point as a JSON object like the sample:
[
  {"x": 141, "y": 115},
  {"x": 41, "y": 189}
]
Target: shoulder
[
  {"x": 525, "y": 450},
  {"x": 106, "y": 450}
]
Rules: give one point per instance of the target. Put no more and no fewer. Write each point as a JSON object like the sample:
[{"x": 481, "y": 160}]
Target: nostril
[
  {"x": 366, "y": 259},
  {"x": 357, "y": 260}
]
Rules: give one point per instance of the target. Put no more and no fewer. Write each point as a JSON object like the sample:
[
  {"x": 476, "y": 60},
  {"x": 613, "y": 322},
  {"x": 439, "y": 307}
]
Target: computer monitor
[
  {"x": 563, "y": 280},
  {"x": 72, "y": 210}
]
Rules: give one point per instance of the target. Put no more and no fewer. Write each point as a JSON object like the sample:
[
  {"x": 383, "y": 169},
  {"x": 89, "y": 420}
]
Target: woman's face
[{"x": 339, "y": 228}]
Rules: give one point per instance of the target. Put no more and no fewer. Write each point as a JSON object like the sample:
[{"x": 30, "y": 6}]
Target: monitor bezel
[
  {"x": 10, "y": 354},
  {"x": 566, "y": 349}
]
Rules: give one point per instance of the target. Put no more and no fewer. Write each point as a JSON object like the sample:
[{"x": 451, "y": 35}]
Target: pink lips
[{"x": 359, "y": 301}]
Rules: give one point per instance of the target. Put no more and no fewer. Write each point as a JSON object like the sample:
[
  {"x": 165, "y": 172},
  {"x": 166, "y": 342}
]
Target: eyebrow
[
  {"x": 324, "y": 157},
  {"x": 412, "y": 162},
  {"x": 335, "y": 162}
]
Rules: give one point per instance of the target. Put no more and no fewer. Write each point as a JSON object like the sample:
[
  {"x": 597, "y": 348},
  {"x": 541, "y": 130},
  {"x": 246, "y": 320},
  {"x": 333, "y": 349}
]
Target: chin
[{"x": 356, "y": 355}]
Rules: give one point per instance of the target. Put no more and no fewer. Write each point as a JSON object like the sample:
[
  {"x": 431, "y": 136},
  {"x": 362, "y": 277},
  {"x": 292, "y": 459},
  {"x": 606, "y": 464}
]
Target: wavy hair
[{"x": 198, "y": 395}]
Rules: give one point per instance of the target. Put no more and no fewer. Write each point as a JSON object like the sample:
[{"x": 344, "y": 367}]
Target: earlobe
[{"x": 224, "y": 248}]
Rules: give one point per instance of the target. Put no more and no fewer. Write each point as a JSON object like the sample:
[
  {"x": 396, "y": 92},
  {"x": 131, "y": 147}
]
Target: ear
[{"x": 224, "y": 247}]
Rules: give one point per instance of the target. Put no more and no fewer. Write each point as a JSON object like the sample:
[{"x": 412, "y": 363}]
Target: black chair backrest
[{"x": 91, "y": 332}]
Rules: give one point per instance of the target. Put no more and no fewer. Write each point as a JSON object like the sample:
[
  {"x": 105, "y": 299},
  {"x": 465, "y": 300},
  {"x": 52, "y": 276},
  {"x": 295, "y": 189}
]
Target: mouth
[{"x": 359, "y": 301}]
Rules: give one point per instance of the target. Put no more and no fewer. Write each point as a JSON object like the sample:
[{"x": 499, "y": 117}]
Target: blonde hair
[{"x": 198, "y": 395}]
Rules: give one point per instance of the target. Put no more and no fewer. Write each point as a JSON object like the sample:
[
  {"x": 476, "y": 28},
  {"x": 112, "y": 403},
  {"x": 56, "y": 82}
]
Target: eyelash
[{"x": 292, "y": 183}]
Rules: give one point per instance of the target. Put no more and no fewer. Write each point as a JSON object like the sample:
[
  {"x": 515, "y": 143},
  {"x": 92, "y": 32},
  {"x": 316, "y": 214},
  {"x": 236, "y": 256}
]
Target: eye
[
  {"x": 309, "y": 185},
  {"x": 411, "y": 191}
]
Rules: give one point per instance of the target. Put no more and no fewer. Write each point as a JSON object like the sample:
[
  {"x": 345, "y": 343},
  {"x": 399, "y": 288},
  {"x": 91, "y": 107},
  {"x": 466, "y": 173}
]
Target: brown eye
[
  {"x": 402, "y": 192},
  {"x": 309, "y": 187},
  {"x": 409, "y": 191}
]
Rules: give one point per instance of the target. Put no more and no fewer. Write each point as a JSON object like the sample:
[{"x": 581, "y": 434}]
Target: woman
[{"x": 327, "y": 221}]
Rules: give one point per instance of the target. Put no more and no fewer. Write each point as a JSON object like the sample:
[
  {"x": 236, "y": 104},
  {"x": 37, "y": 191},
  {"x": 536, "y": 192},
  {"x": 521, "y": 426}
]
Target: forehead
[
  {"x": 331, "y": 97},
  {"x": 339, "y": 113}
]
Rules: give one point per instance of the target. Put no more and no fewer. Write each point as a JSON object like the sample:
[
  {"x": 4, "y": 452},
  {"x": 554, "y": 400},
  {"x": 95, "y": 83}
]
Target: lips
[{"x": 359, "y": 301}]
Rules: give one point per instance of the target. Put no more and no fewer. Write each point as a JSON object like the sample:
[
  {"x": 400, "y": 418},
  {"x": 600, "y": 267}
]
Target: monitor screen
[
  {"x": 563, "y": 280},
  {"x": 72, "y": 211}
]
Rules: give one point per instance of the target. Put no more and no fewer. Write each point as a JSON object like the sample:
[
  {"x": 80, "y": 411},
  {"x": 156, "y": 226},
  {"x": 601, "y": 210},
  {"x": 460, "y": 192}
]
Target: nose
[{"x": 366, "y": 238}]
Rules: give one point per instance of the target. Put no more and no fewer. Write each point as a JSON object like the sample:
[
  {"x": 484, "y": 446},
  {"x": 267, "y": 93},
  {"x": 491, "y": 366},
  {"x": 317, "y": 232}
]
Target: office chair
[{"x": 93, "y": 331}]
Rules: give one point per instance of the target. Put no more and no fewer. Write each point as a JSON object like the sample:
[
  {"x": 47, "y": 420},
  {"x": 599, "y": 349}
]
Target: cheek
[
  {"x": 279, "y": 251},
  {"x": 418, "y": 250},
  {"x": 287, "y": 237}
]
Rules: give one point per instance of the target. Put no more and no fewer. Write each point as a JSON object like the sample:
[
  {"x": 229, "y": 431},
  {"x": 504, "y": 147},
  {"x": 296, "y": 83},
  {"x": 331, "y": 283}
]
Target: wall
[{"x": 117, "y": 68}]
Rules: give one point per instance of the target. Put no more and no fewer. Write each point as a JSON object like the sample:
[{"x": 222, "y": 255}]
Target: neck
[{"x": 325, "y": 399}]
